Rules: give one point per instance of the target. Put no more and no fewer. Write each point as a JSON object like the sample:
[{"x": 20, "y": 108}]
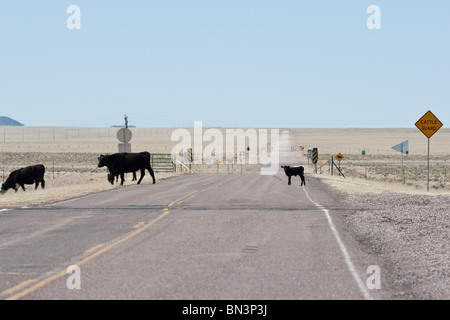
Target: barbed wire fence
[{"x": 38, "y": 139}]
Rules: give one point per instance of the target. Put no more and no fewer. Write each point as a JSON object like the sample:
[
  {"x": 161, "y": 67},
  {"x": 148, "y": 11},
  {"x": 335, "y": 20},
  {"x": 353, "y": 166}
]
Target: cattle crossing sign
[
  {"x": 339, "y": 157},
  {"x": 429, "y": 124}
]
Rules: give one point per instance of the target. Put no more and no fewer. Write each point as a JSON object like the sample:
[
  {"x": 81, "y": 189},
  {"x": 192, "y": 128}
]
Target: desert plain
[{"x": 369, "y": 164}]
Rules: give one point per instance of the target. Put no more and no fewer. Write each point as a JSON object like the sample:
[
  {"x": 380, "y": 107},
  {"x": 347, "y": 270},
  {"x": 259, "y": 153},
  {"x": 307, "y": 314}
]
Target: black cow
[
  {"x": 120, "y": 163},
  {"x": 28, "y": 175},
  {"x": 294, "y": 171}
]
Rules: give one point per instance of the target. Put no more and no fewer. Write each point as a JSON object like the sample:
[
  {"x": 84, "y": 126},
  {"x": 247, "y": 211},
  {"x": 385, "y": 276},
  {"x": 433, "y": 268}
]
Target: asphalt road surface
[{"x": 198, "y": 236}]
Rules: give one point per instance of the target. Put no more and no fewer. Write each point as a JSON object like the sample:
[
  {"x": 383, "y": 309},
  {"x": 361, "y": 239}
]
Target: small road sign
[
  {"x": 124, "y": 135},
  {"x": 402, "y": 147},
  {"x": 339, "y": 157},
  {"x": 429, "y": 124},
  {"x": 315, "y": 155}
]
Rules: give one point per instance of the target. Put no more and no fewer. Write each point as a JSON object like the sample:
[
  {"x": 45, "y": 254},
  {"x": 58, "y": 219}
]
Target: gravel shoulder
[{"x": 408, "y": 230}]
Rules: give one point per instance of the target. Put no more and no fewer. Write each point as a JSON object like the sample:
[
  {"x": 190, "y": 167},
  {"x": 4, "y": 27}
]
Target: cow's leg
[
  {"x": 134, "y": 176},
  {"x": 122, "y": 178},
  {"x": 43, "y": 184},
  {"x": 142, "y": 176},
  {"x": 150, "y": 170},
  {"x": 23, "y": 186},
  {"x": 289, "y": 180},
  {"x": 303, "y": 180}
]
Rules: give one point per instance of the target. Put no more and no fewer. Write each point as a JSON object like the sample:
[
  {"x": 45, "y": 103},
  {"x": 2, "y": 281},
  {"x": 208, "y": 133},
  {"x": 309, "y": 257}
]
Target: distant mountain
[{"x": 6, "y": 121}]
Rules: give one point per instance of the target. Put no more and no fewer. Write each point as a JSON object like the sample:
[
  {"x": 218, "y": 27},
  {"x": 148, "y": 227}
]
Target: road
[{"x": 197, "y": 236}]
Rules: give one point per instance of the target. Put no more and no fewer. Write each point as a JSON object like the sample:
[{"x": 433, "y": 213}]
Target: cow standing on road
[
  {"x": 21, "y": 177},
  {"x": 294, "y": 171},
  {"x": 121, "y": 163}
]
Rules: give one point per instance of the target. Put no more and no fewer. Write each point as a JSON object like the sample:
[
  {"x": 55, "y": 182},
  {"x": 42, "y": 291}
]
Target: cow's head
[
  {"x": 110, "y": 177},
  {"x": 7, "y": 185},
  {"x": 102, "y": 161},
  {"x": 285, "y": 167}
]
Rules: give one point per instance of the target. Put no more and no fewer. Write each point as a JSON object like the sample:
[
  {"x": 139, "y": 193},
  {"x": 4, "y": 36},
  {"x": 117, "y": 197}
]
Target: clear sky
[{"x": 241, "y": 63}]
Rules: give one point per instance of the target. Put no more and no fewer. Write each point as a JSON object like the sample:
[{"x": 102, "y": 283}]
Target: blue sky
[{"x": 247, "y": 63}]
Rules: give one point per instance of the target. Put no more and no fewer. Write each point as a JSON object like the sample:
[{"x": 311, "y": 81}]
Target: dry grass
[
  {"x": 66, "y": 186},
  {"x": 70, "y": 154}
]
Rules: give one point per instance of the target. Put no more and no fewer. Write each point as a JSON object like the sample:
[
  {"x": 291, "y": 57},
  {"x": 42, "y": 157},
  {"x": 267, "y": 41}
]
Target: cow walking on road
[
  {"x": 121, "y": 163},
  {"x": 21, "y": 177},
  {"x": 294, "y": 171}
]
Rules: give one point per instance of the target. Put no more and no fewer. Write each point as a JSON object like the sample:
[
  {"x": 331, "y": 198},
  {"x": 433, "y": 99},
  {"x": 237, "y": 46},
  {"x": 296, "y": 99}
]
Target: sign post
[
  {"x": 403, "y": 148},
  {"x": 429, "y": 124},
  {"x": 124, "y": 135},
  {"x": 339, "y": 157}
]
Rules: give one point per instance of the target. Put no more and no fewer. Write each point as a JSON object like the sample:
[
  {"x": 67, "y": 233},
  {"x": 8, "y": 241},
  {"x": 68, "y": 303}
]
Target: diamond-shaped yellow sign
[
  {"x": 429, "y": 124},
  {"x": 339, "y": 157}
]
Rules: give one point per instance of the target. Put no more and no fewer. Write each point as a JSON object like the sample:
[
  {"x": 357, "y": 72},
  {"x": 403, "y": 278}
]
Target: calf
[
  {"x": 112, "y": 176},
  {"x": 28, "y": 175},
  {"x": 294, "y": 171}
]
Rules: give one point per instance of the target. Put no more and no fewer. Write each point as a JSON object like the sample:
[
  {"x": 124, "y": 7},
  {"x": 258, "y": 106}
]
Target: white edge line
[{"x": 347, "y": 257}]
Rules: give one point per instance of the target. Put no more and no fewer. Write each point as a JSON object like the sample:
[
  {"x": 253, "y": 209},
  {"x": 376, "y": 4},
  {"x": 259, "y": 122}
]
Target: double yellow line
[{"x": 140, "y": 227}]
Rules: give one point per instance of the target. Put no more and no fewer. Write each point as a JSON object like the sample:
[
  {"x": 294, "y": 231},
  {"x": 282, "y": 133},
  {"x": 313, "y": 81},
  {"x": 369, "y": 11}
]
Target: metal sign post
[
  {"x": 429, "y": 124},
  {"x": 124, "y": 135},
  {"x": 403, "y": 148}
]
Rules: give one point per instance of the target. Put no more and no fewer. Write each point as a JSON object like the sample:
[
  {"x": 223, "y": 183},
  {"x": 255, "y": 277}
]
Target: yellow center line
[
  {"x": 138, "y": 225},
  {"x": 94, "y": 248},
  {"x": 62, "y": 273},
  {"x": 79, "y": 263},
  {"x": 183, "y": 197},
  {"x": 17, "y": 287}
]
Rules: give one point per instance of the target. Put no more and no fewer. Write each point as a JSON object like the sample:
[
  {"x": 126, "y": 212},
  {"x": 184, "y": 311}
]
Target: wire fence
[
  {"x": 83, "y": 139},
  {"x": 158, "y": 140}
]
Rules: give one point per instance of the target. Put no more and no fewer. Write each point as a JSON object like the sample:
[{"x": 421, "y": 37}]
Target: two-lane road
[{"x": 238, "y": 236}]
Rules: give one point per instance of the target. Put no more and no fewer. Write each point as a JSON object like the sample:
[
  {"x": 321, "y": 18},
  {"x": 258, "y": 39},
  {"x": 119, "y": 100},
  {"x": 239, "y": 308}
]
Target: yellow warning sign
[
  {"x": 339, "y": 157},
  {"x": 315, "y": 155},
  {"x": 429, "y": 124}
]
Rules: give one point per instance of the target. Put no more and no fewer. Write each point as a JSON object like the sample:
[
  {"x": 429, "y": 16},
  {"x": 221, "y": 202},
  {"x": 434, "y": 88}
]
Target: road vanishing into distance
[{"x": 195, "y": 236}]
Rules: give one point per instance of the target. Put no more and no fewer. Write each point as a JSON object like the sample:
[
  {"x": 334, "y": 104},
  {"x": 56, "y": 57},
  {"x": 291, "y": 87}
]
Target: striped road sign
[{"x": 315, "y": 155}]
